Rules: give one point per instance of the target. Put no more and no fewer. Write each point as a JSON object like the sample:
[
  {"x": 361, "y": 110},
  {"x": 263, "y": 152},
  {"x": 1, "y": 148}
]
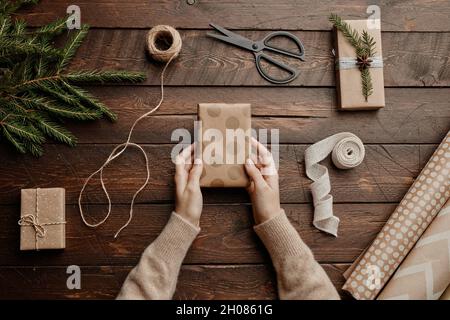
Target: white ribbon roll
[{"x": 347, "y": 151}]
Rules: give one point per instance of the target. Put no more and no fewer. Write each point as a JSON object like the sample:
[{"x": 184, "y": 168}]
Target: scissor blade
[{"x": 231, "y": 37}]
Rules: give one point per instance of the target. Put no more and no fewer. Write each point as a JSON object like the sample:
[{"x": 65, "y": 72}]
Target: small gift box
[
  {"x": 42, "y": 219},
  {"x": 225, "y": 143},
  {"x": 352, "y": 69}
]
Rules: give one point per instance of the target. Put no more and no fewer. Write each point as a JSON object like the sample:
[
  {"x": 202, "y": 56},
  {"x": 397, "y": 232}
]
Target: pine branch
[
  {"x": 55, "y": 131},
  {"x": 351, "y": 35},
  {"x": 35, "y": 93},
  {"x": 34, "y": 148},
  {"x": 366, "y": 80},
  {"x": 11, "y": 6},
  {"x": 26, "y": 132},
  {"x": 71, "y": 47},
  {"x": 14, "y": 140},
  {"x": 368, "y": 43},
  {"x": 104, "y": 76},
  {"x": 88, "y": 99}
]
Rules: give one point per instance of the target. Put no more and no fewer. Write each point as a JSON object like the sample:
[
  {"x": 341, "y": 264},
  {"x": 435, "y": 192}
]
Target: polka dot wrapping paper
[
  {"x": 224, "y": 156},
  {"x": 425, "y": 273},
  {"x": 405, "y": 226}
]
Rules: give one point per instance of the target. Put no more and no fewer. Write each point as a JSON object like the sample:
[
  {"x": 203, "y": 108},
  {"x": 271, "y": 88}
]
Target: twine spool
[{"x": 163, "y": 43}]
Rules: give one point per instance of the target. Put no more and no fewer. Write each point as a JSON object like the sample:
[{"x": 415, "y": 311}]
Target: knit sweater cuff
[
  {"x": 176, "y": 238},
  {"x": 280, "y": 238}
]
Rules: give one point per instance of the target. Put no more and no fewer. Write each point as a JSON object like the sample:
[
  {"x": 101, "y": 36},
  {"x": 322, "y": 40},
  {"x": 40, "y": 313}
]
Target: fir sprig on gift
[
  {"x": 364, "y": 45},
  {"x": 36, "y": 91}
]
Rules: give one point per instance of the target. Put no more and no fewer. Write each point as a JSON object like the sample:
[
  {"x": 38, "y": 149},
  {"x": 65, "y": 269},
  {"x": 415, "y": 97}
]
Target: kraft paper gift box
[
  {"x": 224, "y": 158},
  {"x": 348, "y": 75},
  {"x": 42, "y": 219}
]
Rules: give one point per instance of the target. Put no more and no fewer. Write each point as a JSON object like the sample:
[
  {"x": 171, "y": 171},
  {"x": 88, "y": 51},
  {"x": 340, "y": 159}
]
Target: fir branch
[
  {"x": 366, "y": 81},
  {"x": 14, "y": 46},
  {"x": 35, "y": 93},
  {"x": 351, "y": 35},
  {"x": 26, "y": 132},
  {"x": 34, "y": 148},
  {"x": 368, "y": 43},
  {"x": 14, "y": 140},
  {"x": 104, "y": 76},
  {"x": 55, "y": 131},
  {"x": 71, "y": 47},
  {"x": 86, "y": 97},
  {"x": 11, "y": 6}
]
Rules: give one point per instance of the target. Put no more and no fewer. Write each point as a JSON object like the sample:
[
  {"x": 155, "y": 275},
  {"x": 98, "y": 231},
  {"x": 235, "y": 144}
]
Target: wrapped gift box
[
  {"x": 224, "y": 158},
  {"x": 348, "y": 75},
  {"x": 42, "y": 219}
]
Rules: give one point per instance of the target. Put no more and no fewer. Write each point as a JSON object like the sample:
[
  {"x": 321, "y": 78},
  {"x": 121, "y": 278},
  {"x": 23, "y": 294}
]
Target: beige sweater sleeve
[
  {"x": 155, "y": 276},
  {"x": 299, "y": 276}
]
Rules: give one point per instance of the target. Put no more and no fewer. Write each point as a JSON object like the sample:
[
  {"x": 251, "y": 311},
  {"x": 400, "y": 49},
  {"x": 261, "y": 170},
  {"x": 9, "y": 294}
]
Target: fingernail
[
  {"x": 198, "y": 161},
  {"x": 249, "y": 161}
]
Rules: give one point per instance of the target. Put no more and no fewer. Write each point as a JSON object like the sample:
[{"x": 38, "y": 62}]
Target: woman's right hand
[{"x": 264, "y": 187}]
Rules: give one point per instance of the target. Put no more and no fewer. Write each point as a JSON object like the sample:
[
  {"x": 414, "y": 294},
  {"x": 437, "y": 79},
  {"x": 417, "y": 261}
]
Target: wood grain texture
[
  {"x": 302, "y": 115},
  {"x": 385, "y": 175},
  {"x": 247, "y": 282},
  {"x": 410, "y": 15},
  {"x": 410, "y": 59},
  {"x": 227, "y": 235}
]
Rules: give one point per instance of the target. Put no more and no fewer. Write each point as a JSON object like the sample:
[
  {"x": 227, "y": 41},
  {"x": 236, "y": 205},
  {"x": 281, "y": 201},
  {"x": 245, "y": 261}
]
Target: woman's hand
[
  {"x": 189, "y": 200},
  {"x": 264, "y": 189}
]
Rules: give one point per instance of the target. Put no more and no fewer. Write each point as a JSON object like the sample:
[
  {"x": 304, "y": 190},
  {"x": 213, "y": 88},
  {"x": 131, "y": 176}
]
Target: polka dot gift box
[
  {"x": 423, "y": 201},
  {"x": 225, "y": 143}
]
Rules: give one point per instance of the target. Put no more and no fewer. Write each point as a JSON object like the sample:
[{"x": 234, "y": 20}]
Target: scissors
[{"x": 257, "y": 47}]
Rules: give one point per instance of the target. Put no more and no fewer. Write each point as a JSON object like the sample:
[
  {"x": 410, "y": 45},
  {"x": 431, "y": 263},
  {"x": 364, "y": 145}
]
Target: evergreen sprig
[
  {"x": 36, "y": 91},
  {"x": 364, "y": 45}
]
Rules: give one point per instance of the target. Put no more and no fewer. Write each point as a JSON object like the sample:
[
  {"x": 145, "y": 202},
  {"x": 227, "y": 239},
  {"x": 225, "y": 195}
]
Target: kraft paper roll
[
  {"x": 446, "y": 294},
  {"x": 416, "y": 211},
  {"x": 425, "y": 273}
]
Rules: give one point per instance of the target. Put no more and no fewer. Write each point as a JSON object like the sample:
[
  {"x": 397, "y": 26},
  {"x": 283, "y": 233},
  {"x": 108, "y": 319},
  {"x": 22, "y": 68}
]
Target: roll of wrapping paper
[
  {"x": 425, "y": 273},
  {"x": 413, "y": 215},
  {"x": 446, "y": 294}
]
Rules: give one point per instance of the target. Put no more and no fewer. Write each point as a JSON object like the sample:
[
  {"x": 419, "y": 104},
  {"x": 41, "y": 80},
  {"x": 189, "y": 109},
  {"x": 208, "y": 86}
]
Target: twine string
[{"x": 160, "y": 55}]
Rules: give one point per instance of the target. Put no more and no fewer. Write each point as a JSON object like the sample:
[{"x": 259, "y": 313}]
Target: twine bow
[{"x": 32, "y": 220}]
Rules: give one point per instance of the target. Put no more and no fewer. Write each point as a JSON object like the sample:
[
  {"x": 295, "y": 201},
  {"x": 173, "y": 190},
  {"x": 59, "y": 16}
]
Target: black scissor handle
[
  {"x": 293, "y": 73},
  {"x": 299, "y": 55}
]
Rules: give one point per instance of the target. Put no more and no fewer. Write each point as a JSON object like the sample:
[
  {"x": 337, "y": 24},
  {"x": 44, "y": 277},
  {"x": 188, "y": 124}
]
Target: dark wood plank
[
  {"x": 227, "y": 235},
  {"x": 195, "y": 282},
  {"x": 384, "y": 176},
  {"x": 411, "y": 15},
  {"x": 412, "y": 115},
  {"x": 410, "y": 59}
]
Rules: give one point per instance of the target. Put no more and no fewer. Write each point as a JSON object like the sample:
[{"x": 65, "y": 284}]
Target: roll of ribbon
[
  {"x": 347, "y": 151},
  {"x": 425, "y": 273},
  {"x": 423, "y": 201},
  {"x": 163, "y": 44}
]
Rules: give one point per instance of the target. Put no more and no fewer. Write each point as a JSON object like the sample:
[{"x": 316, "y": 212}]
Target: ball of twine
[{"x": 163, "y": 43}]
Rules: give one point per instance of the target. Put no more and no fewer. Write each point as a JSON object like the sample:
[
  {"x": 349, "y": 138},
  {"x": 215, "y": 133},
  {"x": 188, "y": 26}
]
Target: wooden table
[{"x": 227, "y": 260}]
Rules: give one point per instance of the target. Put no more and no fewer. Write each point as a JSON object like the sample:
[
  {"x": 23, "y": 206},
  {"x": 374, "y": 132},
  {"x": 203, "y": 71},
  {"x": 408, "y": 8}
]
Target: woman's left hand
[{"x": 189, "y": 199}]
